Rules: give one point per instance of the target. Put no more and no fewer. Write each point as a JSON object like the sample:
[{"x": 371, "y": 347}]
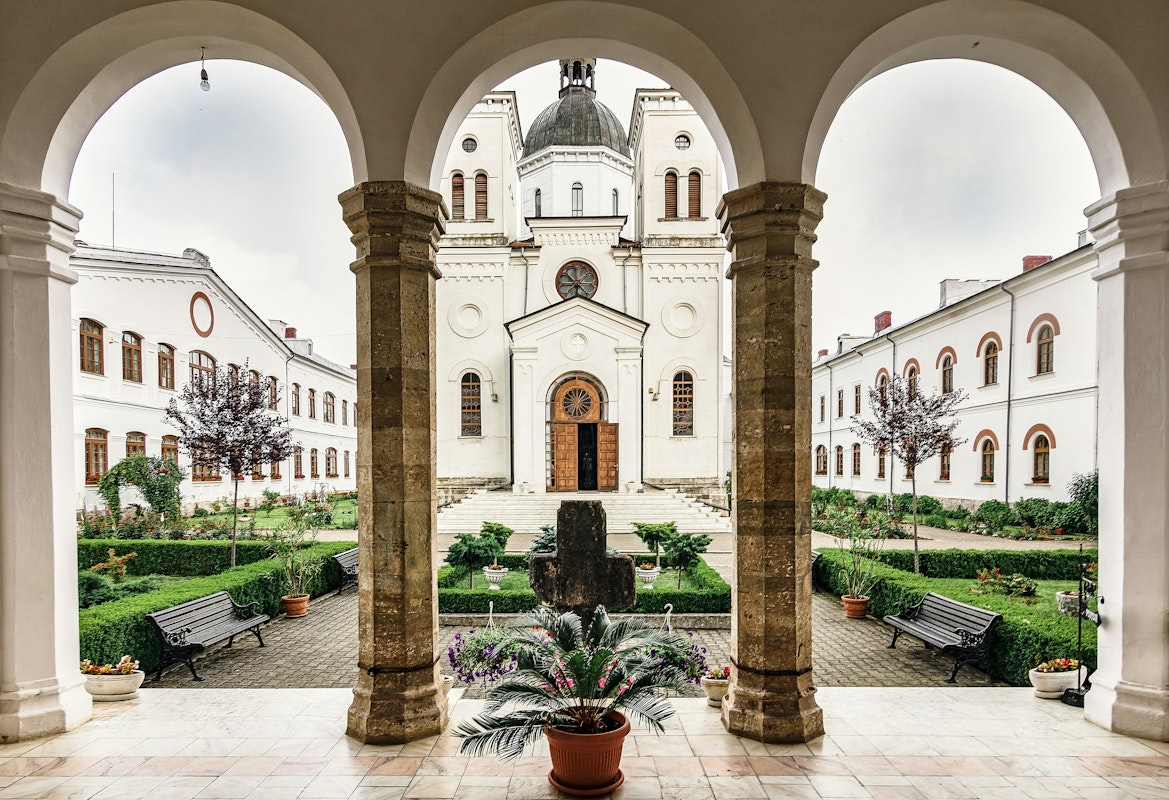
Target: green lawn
[{"x": 344, "y": 516}]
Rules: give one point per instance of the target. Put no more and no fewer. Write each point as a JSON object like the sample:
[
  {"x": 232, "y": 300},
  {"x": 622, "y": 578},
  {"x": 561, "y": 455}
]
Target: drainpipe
[
  {"x": 641, "y": 460},
  {"x": 892, "y": 459},
  {"x": 831, "y": 424},
  {"x": 526, "y": 270},
  {"x": 625, "y": 282},
  {"x": 1010, "y": 382},
  {"x": 511, "y": 397},
  {"x": 288, "y": 414}
]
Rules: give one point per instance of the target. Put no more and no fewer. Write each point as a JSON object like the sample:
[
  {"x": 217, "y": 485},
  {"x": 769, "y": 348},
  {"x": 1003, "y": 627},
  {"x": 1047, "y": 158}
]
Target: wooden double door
[{"x": 584, "y": 446}]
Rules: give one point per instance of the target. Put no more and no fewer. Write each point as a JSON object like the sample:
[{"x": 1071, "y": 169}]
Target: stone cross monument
[{"x": 581, "y": 575}]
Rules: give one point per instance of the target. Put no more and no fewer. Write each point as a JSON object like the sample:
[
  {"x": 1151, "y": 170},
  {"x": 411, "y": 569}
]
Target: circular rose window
[
  {"x": 577, "y": 402},
  {"x": 576, "y": 279}
]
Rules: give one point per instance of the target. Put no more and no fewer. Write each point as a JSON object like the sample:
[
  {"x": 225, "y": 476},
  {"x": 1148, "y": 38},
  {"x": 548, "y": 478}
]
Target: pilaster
[
  {"x": 1130, "y": 689},
  {"x": 395, "y": 229},
  {"x": 770, "y": 231},
  {"x": 41, "y": 689},
  {"x": 527, "y": 423},
  {"x": 629, "y": 415}
]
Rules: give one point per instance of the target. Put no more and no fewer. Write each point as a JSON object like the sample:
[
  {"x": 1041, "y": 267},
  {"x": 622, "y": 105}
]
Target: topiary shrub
[
  {"x": 996, "y": 515},
  {"x": 94, "y": 589}
]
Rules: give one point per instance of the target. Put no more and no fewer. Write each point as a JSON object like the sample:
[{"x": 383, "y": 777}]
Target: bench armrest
[
  {"x": 176, "y": 638},
  {"x": 243, "y": 612},
  {"x": 969, "y": 639},
  {"x": 908, "y": 611}
]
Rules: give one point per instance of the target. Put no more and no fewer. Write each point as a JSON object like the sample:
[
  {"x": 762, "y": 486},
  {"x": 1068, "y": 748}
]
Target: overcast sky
[{"x": 933, "y": 170}]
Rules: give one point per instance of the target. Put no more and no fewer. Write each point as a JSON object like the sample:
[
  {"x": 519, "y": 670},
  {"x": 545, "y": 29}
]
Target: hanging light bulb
[{"x": 204, "y": 84}]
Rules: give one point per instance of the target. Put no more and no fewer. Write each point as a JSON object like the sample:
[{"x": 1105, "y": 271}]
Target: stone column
[
  {"x": 395, "y": 229},
  {"x": 769, "y": 228},
  {"x": 41, "y": 690},
  {"x": 1130, "y": 689}
]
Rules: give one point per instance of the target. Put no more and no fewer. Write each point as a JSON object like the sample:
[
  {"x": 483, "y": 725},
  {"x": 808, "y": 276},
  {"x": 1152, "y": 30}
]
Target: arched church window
[
  {"x": 539, "y": 204},
  {"x": 577, "y": 200},
  {"x": 683, "y": 404},
  {"x": 481, "y": 196},
  {"x": 671, "y": 195},
  {"x": 694, "y": 198},
  {"x": 1042, "y": 465},
  {"x": 471, "y": 408},
  {"x": 457, "y": 203},
  {"x": 616, "y": 203},
  {"x": 576, "y": 279}
]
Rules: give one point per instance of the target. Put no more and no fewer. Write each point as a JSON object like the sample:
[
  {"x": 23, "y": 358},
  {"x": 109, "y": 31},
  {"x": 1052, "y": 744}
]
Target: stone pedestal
[
  {"x": 42, "y": 692},
  {"x": 1130, "y": 689},
  {"x": 395, "y": 230},
  {"x": 769, "y": 228}
]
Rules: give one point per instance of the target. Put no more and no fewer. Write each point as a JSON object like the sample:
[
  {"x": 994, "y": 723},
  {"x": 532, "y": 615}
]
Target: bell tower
[{"x": 577, "y": 76}]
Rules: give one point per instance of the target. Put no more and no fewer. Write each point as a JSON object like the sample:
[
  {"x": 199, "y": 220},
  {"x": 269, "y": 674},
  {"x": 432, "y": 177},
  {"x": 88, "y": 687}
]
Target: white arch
[
  {"x": 545, "y": 33},
  {"x": 82, "y": 79},
  {"x": 470, "y": 365},
  {"x": 1073, "y": 65}
]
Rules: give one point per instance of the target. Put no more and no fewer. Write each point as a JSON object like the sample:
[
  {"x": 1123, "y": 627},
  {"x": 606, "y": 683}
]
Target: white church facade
[{"x": 580, "y": 310}]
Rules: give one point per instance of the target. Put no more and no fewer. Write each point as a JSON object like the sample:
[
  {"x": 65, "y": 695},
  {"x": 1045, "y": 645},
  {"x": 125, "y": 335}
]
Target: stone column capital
[
  {"x": 394, "y": 222},
  {"x": 38, "y": 229},
  {"x": 770, "y": 221},
  {"x": 1131, "y": 229}
]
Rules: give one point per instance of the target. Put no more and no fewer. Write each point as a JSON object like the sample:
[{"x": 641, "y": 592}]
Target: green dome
[{"x": 576, "y": 119}]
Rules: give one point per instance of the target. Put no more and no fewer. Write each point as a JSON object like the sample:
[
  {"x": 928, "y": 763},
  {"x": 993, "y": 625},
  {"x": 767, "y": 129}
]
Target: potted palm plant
[
  {"x": 859, "y": 540},
  {"x": 575, "y": 687},
  {"x": 289, "y": 546}
]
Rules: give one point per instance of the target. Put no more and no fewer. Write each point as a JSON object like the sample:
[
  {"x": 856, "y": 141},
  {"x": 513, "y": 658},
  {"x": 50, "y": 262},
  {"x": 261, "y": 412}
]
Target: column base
[
  {"x": 395, "y": 708},
  {"x": 782, "y": 709},
  {"x": 1130, "y": 709},
  {"x": 44, "y": 708}
]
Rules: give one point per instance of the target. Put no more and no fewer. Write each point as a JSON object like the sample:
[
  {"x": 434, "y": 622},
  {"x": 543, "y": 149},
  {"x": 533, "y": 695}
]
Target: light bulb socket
[{"x": 204, "y": 83}]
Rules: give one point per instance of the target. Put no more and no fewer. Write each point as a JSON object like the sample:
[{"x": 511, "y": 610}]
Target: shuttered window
[
  {"x": 480, "y": 196},
  {"x": 457, "y": 196},
  {"x": 671, "y": 195},
  {"x": 694, "y": 201}
]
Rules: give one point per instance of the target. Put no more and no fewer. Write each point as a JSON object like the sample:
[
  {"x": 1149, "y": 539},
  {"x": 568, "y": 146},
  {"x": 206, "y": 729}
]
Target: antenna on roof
[{"x": 113, "y": 196}]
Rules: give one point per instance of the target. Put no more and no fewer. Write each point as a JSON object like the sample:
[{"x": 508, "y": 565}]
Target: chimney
[
  {"x": 352, "y": 366},
  {"x": 290, "y": 332},
  {"x": 822, "y": 353},
  {"x": 882, "y": 321},
  {"x": 1031, "y": 262}
]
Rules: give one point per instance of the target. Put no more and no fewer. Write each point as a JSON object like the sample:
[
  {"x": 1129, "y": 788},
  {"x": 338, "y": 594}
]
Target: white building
[
  {"x": 580, "y": 309},
  {"x": 1024, "y": 350},
  {"x": 144, "y": 323}
]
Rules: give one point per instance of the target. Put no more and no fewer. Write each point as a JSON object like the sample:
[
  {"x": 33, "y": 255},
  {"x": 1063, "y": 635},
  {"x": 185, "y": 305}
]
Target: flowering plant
[
  {"x": 647, "y": 565},
  {"x": 123, "y": 667},
  {"x": 718, "y": 673},
  {"x": 478, "y": 656},
  {"x": 571, "y": 678},
  {"x": 1059, "y": 665}
]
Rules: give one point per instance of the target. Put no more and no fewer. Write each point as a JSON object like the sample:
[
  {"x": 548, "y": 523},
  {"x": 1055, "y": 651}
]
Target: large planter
[
  {"x": 716, "y": 690},
  {"x": 587, "y": 764},
  {"x": 494, "y": 577},
  {"x": 295, "y": 605},
  {"x": 855, "y": 607},
  {"x": 1051, "y": 685},
  {"x": 1069, "y": 602},
  {"x": 648, "y": 576},
  {"x": 111, "y": 688}
]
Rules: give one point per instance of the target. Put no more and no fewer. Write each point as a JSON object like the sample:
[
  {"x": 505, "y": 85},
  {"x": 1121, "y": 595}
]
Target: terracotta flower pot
[
  {"x": 295, "y": 605},
  {"x": 855, "y": 607},
  {"x": 111, "y": 688},
  {"x": 587, "y": 764}
]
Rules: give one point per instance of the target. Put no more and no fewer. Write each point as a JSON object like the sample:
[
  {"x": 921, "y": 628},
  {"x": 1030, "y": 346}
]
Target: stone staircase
[{"x": 526, "y": 513}]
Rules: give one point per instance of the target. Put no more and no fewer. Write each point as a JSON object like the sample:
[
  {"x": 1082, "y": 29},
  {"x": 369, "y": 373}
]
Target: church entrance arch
[{"x": 583, "y": 444}]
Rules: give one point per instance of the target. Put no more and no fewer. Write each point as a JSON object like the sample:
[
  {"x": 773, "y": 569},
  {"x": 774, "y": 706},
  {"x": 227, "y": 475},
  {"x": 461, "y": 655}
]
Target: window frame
[
  {"x": 295, "y": 411},
  {"x": 881, "y": 457},
  {"x": 670, "y": 189},
  {"x": 1041, "y": 459},
  {"x": 856, "y": 460},
  {"x": 694, "y": 195},
  {"x": 458, "y": 196},
  {"x": 166, "y": 366},
  {"x": 856, "y": 399},
  {"x": 682, "y": 404},
  {"x": 331, "y": 463},
  {"x": 821, "y": 467},
  {"x": 131, "y": 357},
  {"x": 346, "y": 462},
  {"x": 947, "y": 374},
  {"x": 97, "y": 454},
  {"x": 470, "y": 406},
  {"x": 169, "y": 449},
  {"x": 578, "y": 199},
  {"x": 92, "y": 347},
  {"x": 987, "y": 452},
  {"x": 344, "y": 411},
  {"x": 312, "y": 403},
  {"x": 314, "y": 466},
  {"x": 990, "y": 364},
  {"x": 298, "y": 463},
  {"x": 481, "y": 196},
  {"x": 135, "y": 446},
  {"x": 1045, "y": 350},
  {"x": 839, "y": 461},
  {"x": 538, "y": 204},
  {"x": 330, "y": 408},
  {"x": 839, "y": 403},
  {"x": 945, "y": 456},
  {"x": 198, "y": 369}
]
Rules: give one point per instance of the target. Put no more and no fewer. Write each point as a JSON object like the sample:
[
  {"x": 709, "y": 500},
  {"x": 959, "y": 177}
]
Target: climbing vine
[{"x": 157, "y": 479}]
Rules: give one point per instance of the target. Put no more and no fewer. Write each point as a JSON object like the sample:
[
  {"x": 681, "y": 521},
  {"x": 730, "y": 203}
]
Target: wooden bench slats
[
  {"x": 189, "y": 628},
  {"x": 956, "y": 628}
]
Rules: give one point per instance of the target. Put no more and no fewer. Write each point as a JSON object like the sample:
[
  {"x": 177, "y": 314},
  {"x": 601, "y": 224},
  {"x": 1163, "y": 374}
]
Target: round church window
[
  {"x": 577, "y": 402},
  {"x": 682, "y": 141},
  {"x": 576, "y": 279},
  {"x": 470, "y": 145}
]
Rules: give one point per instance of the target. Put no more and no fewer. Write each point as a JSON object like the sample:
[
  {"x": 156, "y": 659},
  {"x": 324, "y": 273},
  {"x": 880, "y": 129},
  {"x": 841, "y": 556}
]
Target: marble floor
[{"x": 910, "y": 743}]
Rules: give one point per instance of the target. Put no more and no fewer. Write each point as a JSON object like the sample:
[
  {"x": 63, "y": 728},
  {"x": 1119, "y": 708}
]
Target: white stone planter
[
  {"x": 715, "y": 690},
  {"x": 1069, "y": 603},
  {"x": 648, "y": 576},
  {"x": 1051, "y": 685},
  {"x": 494, "y": 577},
  {"x": 111, "y": 688}
]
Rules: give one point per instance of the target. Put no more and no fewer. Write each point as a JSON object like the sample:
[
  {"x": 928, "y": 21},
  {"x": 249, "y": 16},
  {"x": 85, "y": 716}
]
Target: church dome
[{"x": 576, "y": 120}]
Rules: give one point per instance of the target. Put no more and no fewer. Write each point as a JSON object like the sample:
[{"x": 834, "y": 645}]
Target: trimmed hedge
[
  {"x": 1027, "y": 635},
  {"x": 162, "y": 557},
  {"x": 112, "y": 630},
  {"x": 1059, "y": 565}
]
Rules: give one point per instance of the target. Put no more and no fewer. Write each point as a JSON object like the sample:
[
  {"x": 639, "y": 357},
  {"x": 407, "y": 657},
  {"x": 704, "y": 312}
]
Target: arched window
[
  {"x": 170, "y": 448},
  {"x": 201, "y": 471},
  {"x": 312, "y": 404},
  {"x": 233, "y": 371},
  {"x": 131, "y": 357},
  {"x": 911, "y": 382},
  {"x": 616, "y": 203},
  {"x": 330, "y": 407},
  {"x": 821, "y": 460},
  {"x": 471, "y": 408},
  {"x": 331, "y": 463},
  {"x": 881, "y": 463},
  {"x": 91, "y": 347},
  {"x": 346, "y": 463},
  {"x": 273, "y": 396},
  {"x": 856, "y": 460},
  {"x": 987, "y": 461},
  {"x": 481, "y": 196},
  {"x": 298, "y": 463},
  {"x": 202, "y": 368},
  {"x": 883, "y": 386},
  {"x": 1045, "y": 351},
  {"x": 671, "y": 195},
  {"x": 344, "y": 412},
  {"x": 1042, "y": 460},
  {"x": 839, "y": 460},
  {"x": 577, "y": 200},
  {"x": 457, "y": 201},
  {"x": 296, "y": 401},
  {"x": 944, "y": 463},
  {"x": 990, "y": 364},
  {"x": 694, "y": 197},
  {"x": 539, "y": 202},
  {"x": 683, "y": 404},
  {"x": 96, "y": 454},
  {"x": 135, "y": 444},
  {"x": 274, "y": 470},
  {"x": 166, "y": 366},
  {"x": 313, "y": 470},
  {"x": 947, "y": 375}
]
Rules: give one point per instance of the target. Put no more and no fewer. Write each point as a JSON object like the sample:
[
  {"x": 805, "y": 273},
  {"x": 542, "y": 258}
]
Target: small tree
[
  {"x": 1085, "y": 492},
  {"x": 913, "y": 427},
  {"x": 473, "y": 552},
  {"x": 653, "y": 535},
  {"x": 683, "y": 549},
  {"x": 157, "y": 479},
  {"x": 224, "y": 423}
]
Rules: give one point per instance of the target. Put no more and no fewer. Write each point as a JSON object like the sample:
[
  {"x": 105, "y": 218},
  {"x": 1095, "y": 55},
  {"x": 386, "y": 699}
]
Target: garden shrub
[
  {"x": 157, "y": 557},
  {"x": 961, "y": 512},
  {"x": 875, "y": 501},
  {"x": 996, "y": 515},
  {"x": 94, "y": 589},
  {"x": 1085, "y": 493},
  {"x": 937, "y": 521},
  {"x": 903, "y": 503},
  {"x": 1034, "y": 511},
  {"x": 928, "y": 505},
  {"x": 1060, "y": 565}
]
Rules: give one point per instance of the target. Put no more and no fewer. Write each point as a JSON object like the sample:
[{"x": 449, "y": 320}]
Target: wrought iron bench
[
  {"x": 956, "y": 628},
  {"x": 347, "y": 561},
  {"x": 815, "y": 558},
  {"x": 188, "y": 629}
]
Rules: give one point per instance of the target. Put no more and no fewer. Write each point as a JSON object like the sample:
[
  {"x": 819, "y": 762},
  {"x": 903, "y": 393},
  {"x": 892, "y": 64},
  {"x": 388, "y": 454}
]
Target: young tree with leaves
[
  {"x": 224, "y": 423},
  {"x": 912, "y": 426}
]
